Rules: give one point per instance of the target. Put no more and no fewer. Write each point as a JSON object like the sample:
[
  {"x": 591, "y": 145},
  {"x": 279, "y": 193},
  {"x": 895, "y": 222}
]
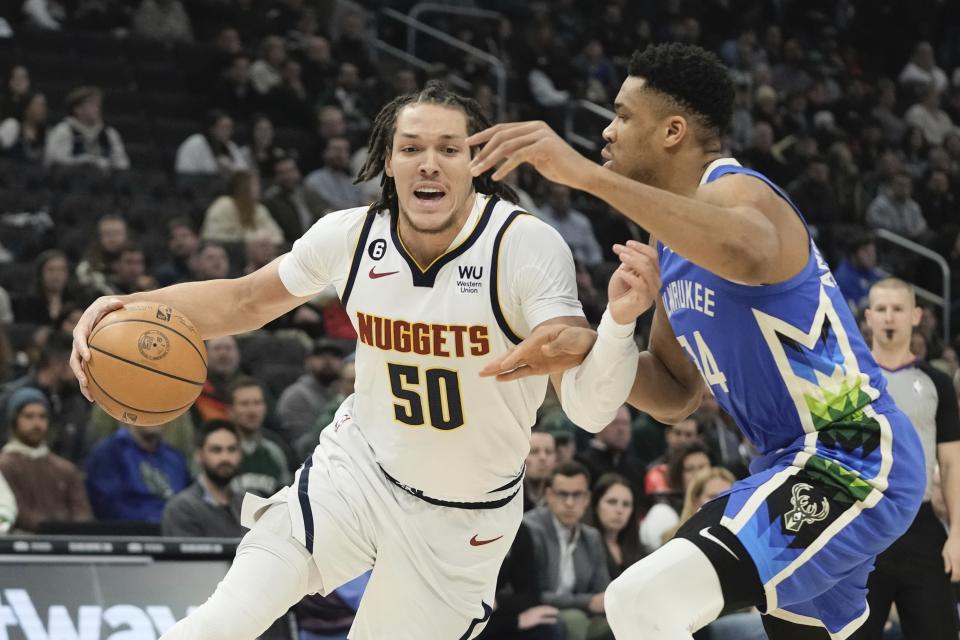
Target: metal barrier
[
  {"x": 414, "y": 61},
  {"x": 431, "y": 7},
  {"x": 499, "y": 70},
  {"x": 590, "y": 143},
  {"x": 942, "y": 301}
]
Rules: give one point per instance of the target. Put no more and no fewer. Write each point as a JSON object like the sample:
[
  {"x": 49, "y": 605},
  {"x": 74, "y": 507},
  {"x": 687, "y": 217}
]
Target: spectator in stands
[
  {"x": 8, "y": 506},
  {"x": 223, "y": 367},
  {"x": 82, "y": 138},
  {"x": 209, "y": 507},
  {"x": 572, "y": 225},
  {"x": 663, "y": 516},
  {"x": 609, "y": 452},
  {"x": 677, "y": 437},
  {"x": 351, "y": 43},
  {"x": 814, "y": 196},
  {"x": 68, "y": 410},
  {"x": 233, "y": 91},
  {"x": 928, "y": 115},
  {"x": 47, "y": 488},
  {"x": 163, "y": 20},
  {"x": 300, "y": 403},
  {"x": 128, "y": 271},
  {"x": 213, "y": 151},
  {"x": 264, "y": 467},
  {"x": 319, "y": 67},
  {"x": 897, "y": 211},
  {"x": 343, "y": 387},
  {"x": 293, "y": 207},
  {"x": 917, "y": 570},
  {"x": 111, "y": 237},
  {"x": 334, "y": 182},
  {"x": 23, "y": 135},
  {"x": 47, "y": 15},
  {"x": 330, "y": 124},
  {"x": 262, "y": 151},
  {"x": 613, "y": 511},
  {"x": 132, "y": 474},
  {"x": 50, "y": 292},
  {"x": 938, "y": 203},
  {"x": 212, "y": 262},
  {"x": 15, "y": 92},
  {"x": 265, "y": 72},
  {"x": 239, "y": 215},
  {"x": 540, "y": 463},
  {"x": 914, "y": 151},
  {"x": 922, "y": 70},
  {"x": 349, "y": 94},
  {"x": 885, "y": 110},
  {"x": 759, "y": 155},
  {"x": 179, "y": 433},
  {"x": 571, "y": 562},
  {"x": 259, "y": 250},
  {"x": 880, "y": 179},
  {"x": 519, "y": 613},
  {"x": 183, "y": 245},
  {"x": 288, "y": 102}
]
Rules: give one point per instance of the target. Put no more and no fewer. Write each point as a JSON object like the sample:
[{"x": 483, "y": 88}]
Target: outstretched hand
[
  {"x": 514, "y": 143},
  {"x": 635, "y": 285},
  {"x": 549, "y": 349}
]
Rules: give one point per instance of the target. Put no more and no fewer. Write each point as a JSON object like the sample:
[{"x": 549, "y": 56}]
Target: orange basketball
[{"x": 147, "y": 364}]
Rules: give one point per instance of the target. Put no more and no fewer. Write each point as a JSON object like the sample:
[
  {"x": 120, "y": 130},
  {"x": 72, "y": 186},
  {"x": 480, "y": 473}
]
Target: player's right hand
[
  {"x": 535, "y": 616},
  {"x": 81, "y": 351},
  {"x": 636, "y": 283},
  {"x": 551, "y": 348}
]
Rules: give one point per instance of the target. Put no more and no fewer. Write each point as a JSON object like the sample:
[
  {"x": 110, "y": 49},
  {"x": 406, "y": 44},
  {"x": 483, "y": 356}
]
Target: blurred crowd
[{"x": 149, "y": 143}]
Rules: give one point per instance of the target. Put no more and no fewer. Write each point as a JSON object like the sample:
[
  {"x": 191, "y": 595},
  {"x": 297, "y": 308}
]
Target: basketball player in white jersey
[{"x": 418, "y": 475}]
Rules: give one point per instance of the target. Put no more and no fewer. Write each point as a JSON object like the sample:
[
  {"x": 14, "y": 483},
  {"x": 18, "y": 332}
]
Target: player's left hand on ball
[
  {"x": 951, "y": 558},
  {"x": 514, "y": 143},
  {"x": 636, "y": 283},
  {"x": 549, "y": 349}
]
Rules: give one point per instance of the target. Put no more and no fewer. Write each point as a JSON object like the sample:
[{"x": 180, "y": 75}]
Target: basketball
[{"x": 147, "y": 364}]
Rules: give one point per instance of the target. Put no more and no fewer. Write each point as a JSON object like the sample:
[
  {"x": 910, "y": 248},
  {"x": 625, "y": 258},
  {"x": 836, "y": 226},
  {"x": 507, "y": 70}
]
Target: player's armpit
[
  {"x": 552, "y": 347},
  {"x": 668, "y": 385}
]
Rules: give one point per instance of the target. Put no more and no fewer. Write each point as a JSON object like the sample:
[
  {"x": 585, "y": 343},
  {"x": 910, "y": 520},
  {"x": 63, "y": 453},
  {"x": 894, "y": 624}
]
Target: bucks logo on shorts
[{"x": 805, "y": 511}]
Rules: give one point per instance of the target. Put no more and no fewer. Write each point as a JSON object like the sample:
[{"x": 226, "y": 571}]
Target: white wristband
[{"x": 593, "y": 392}]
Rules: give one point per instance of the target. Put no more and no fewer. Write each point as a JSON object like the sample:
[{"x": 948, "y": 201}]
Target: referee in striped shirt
[{"x": 916, "y": 571}]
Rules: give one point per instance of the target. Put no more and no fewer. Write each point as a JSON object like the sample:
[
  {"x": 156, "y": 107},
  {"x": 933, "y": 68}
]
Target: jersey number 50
[{"x": 441, "y": 388}]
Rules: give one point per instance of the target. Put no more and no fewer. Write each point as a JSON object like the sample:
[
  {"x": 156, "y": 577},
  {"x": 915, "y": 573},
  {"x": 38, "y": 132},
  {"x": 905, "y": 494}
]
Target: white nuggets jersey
[{"x": 435, "y": 426}]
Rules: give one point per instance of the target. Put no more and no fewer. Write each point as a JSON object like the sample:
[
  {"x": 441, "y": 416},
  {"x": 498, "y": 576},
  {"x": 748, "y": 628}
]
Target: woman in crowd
[
  {"x": 239, "y": 215},
  {"x": 24, "y": 136},
  {"x": 682, "y": 467},
  {"x": 213, "y": 151},
  {"x": 613, "y": 511},
  {"x": 50, "y": 293}
]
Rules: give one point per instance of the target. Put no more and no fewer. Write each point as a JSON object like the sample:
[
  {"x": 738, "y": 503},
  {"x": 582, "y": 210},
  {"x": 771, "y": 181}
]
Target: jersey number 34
[
  {"x": 705, "y": 361},
  {"x": 440, "y": 388}
]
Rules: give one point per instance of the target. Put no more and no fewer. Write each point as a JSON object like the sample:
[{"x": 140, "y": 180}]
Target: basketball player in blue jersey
[
  {"x": 419, "y": 475},
  {"x": 747, "y": 306}
]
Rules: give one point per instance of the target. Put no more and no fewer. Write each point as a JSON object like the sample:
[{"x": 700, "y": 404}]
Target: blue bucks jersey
[{"x": 785, "y": 360}]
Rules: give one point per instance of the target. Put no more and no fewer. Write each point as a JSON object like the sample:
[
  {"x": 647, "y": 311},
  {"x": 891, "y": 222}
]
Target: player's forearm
[
  {"x": 215, "y": 307},
  {"x": 733, "y": 242},
  {"x": 657, "y": 392}
]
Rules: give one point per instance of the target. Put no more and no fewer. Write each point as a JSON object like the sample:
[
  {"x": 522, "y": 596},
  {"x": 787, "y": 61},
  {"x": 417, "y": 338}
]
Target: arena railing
[
  {"x": 589, "y": 142},
  {"x": 422, "y": 8},
  {"x": 942, "y": 301},
  {"x": 498, "y": 68}
]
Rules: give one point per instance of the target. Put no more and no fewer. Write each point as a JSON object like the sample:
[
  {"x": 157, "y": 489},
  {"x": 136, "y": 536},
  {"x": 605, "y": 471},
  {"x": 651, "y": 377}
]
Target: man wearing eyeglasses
[{"x": 571, "y": 565}]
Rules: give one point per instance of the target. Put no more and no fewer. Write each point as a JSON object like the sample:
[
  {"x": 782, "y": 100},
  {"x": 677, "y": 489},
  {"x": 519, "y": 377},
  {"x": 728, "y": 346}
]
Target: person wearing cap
[
  {"x": 46, "y": 487},
  {"x": 82, "y": 138},
  {"x": 300, "y": 403}
]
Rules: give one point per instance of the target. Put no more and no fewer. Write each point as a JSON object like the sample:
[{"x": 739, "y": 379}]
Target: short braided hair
[{"x": 380, "y": 143}]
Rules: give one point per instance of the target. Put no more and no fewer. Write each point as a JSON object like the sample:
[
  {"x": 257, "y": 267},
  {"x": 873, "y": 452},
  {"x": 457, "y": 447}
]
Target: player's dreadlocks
[
  {"x": 385, "y": 126},
  {"x": 693, "y": 77}
]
